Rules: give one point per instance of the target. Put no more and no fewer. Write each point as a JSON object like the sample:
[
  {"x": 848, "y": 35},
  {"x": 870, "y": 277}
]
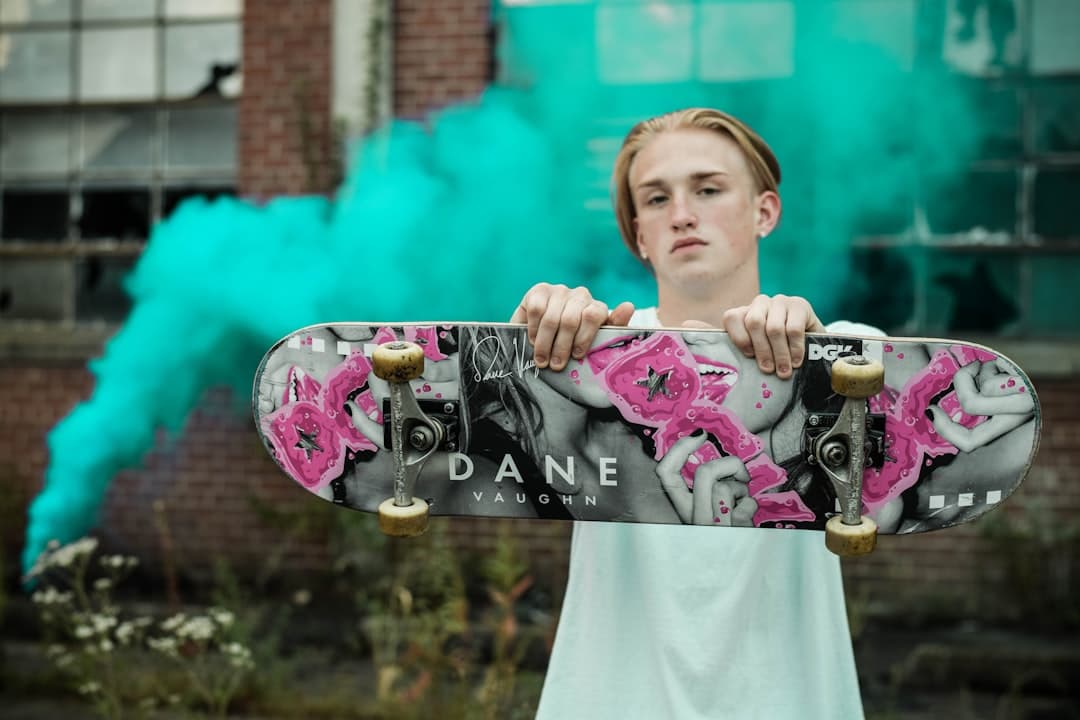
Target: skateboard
[{"x": 871, "y": 435}]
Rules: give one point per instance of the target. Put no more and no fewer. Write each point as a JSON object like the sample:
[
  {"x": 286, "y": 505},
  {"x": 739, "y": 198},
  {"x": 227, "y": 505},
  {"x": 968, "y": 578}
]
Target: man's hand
[
  {"x": 563, "y": 322},
  {"x": 773, "y": 329}
]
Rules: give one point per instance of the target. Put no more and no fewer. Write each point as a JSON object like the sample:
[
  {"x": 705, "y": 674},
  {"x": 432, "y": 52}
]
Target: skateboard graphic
[{"x": 890, "y": 435}]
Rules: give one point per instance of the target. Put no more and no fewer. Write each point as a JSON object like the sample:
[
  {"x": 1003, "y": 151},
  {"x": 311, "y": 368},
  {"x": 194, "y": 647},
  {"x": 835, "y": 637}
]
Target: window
[
  {"x": 111, "y": 113},
  {"x": 931, "y": 147}
]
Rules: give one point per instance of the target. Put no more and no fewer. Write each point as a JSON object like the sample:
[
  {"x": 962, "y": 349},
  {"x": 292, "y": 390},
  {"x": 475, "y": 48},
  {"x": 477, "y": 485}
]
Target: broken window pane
[
  {"x": 118, "y": 64},
  {"x": 201, "y": 59},
  {"x": 975, "y": 201},
  {"x": 115, "y": 214},
  {"x": 982, "y": 37},
  {"x": 118, "y": 140},
  {"x": 971, "y": 292},
  {"x": 202, "y": 137},
  {"x": 663, "y": 28},
  {"x": 34, "y": 215},
  {"x": 34, "y": 288},
  {"x": 729, "y": 37},
  {"x": 35, "y": 66},
  {"x": 880, "y": 287},
  {"x": 17, "y": 12},
  {"x": 1054, "y": 44},
  {"x": 118, "y": 9},
  {"x": 99, "y": 289},
  {"x": 174, "y": 196},
  {"x": 202, "y": 8},
  {"x": 34, "y": 144},
  {"x": 1057, "y": 119},
  {"x": 1056, "y": 192}
]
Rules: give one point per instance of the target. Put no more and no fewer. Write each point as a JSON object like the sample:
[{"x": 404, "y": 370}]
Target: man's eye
[
  {"x": 656, "y": 200},
  {"x": 709, "y": 191}
]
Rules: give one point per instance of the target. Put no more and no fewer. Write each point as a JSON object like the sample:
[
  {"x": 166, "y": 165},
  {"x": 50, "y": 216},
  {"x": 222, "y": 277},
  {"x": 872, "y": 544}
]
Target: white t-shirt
[{"x": 683, "y": 622}]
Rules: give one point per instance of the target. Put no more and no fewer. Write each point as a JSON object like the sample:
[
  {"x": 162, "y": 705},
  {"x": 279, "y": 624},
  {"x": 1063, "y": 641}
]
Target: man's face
[{"x": 698, "y": 215}]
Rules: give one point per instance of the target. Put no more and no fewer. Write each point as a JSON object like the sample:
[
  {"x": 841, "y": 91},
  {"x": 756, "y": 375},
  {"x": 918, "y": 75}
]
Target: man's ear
[{"x": 768, "y": 212}]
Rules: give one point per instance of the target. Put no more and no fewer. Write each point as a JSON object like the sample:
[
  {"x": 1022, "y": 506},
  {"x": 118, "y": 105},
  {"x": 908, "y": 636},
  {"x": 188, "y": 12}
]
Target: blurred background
[{"x": 182, "y": 182}]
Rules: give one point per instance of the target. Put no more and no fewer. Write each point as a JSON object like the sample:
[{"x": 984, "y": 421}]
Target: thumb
[{"x": 620, "y": 316}]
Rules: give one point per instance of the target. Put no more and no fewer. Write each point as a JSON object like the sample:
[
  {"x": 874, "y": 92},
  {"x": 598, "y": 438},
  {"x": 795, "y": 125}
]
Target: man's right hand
[{"x": 563, "y": 322}]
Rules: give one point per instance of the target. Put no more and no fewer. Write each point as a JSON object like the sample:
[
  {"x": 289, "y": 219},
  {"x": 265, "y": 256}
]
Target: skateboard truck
[
  {"x": 843, "y": 452},
  {"x": 413, "y": 437}
]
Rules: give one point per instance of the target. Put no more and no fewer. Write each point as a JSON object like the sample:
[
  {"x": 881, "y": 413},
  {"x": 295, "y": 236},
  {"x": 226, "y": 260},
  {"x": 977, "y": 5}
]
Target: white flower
[
  {"x": 174, "y": 622},
  {"x": 102, "y": 584},
  {"x": 50, "y": 596},
  {"x": 125, "y": 632},
  {"x": 89, "y": 688},
  {"x": 197, "y": 628},
  {"x": 106, "y": 646},
  {"x": 163, "y": 645},
  {"x": 68, "y": 554},
  {"x": 301, "y": 597},
  {"x": 103, "y": 623},
  {"x": 84, "y": 631},
  {"x": 224, "y": 618}
]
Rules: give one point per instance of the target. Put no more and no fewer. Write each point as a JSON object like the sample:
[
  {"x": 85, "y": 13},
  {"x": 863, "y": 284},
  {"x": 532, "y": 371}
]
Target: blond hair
[{"x": 764, "y": 168}]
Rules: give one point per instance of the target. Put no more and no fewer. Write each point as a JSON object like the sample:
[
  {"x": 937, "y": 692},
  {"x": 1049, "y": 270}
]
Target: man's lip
[{"x": 686, "y": 242}]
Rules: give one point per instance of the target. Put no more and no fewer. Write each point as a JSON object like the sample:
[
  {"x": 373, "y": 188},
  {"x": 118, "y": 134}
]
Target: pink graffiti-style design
[
  {"x": 910, "y": 436},
  {"x": 306, "y": 442},
  {"x": 657, "y": 382},
  {"x": 311, "y": 433}
]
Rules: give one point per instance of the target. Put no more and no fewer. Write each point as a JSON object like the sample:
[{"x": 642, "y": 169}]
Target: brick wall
[
  {"x": 286, "y": 146},
  {"x": 442, "y": 53}
]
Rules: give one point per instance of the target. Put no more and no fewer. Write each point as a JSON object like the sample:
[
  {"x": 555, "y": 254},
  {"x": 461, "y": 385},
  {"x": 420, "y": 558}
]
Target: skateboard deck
[{"x": 653, "y": 426}]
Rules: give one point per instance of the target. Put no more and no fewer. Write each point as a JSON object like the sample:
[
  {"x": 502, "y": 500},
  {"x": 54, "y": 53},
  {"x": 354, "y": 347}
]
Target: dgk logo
[{"x": 827, "y": 352}]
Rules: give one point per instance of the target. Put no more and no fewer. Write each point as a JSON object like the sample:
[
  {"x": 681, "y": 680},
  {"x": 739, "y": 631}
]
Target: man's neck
[{"x": 676, "y": 306}]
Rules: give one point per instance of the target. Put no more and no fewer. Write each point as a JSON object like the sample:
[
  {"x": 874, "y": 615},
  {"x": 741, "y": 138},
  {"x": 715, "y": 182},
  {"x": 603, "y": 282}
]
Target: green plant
[
  {"x": 507, "y": 578},
  {"x": 415, "y": 621},
  {"x": 100, "y": 646}
]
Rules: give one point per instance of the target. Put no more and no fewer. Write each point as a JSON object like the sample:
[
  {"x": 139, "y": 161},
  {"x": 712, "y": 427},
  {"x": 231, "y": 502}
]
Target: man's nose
[{"x": 682, "y": 215}]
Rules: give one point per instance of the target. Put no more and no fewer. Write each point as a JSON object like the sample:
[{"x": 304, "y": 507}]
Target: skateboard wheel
[
  {"x": 408, "y": 521},
  {"x": 857, "y": 377},
  {"x": 398, "y": 361},
  {"x": 847, "y": 540}
]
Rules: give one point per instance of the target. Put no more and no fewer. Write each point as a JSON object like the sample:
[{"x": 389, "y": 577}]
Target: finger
[
  {"x": 367, "y": 427},
  {"x": 723, "y": 503},
  {"x": 734, "y": 324},
  {"x": 756, "y": 318},
  {"x": 569, "y": 325},
  {"x": 971, "y": 439},
  {"x": 620, "y": 316},
  {"x": 703, "y": 502},
  {"x": 706, "y": 478},
  {"x": 975, "y": 403},
  {"x": 777, "y": 325},
  {"x": 745, "y": 509},
  {"x": 669, "y": 471},
  {"x": 800, "y": 320},
  {"x": 592, "y": 317},
  {"x": 544, "y": 323}
]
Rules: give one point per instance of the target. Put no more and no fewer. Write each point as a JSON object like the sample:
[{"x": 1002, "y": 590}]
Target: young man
[{"x": 678, "y": 622}]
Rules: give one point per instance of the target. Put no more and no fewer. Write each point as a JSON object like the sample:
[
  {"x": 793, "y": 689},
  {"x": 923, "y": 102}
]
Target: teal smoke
[{"x": 455, "y": 219}]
